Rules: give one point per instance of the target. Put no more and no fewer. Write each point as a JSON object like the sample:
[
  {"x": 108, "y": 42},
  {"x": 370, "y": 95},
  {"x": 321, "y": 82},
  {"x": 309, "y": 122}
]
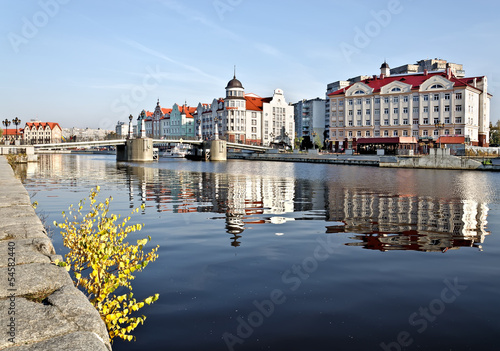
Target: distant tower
[
  {"x": 385, "y": 71},
  {"x": 234, "y": 89}
]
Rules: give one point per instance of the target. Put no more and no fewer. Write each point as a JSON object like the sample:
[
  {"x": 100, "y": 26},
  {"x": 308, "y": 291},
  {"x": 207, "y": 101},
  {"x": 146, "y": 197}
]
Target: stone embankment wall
[{"x": 40, "y": 309}]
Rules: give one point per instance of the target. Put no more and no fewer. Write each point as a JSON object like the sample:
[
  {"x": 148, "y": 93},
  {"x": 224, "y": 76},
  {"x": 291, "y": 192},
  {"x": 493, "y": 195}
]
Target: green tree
[
  {"x": 1, "y": 132},
  {"x": 102, "y": 261},
  {"x": 495, "y": 133}
]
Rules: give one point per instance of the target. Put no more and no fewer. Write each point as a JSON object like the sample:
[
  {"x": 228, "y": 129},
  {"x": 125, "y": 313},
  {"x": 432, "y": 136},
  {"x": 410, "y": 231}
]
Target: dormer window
[
  {"x": 437, "y": 86},
  {"x": 358, "y": 92},
  {"x": 396, "y": 89}
]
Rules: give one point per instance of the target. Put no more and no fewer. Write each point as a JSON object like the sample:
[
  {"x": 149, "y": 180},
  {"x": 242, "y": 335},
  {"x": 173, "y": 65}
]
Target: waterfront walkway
[
  {"x": 433, "y": 161},
  {"x": 40, "y": 309}
]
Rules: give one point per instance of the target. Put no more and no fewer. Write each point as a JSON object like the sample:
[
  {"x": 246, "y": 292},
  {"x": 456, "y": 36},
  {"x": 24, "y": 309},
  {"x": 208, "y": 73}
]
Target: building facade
[
  {"x": 247, "y": 118},
  {"x": 168, "y": 123},
  {"x": 424, "y": 106},
  {"x": 309, "y": 118},
  {"x": 42, "y": 133}
]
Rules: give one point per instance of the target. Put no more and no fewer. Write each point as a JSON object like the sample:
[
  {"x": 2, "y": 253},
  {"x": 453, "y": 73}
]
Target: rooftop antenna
[{"x": 234, "y": 76}]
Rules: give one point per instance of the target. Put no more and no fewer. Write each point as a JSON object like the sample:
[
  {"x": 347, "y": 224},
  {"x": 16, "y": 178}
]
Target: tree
[
  {"x": 495, "y": 133},
  {"x": 1, "y": 132},
  {"x": 102, "y": 261}
]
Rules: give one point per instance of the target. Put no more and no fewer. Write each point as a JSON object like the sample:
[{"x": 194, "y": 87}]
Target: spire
[{"x": 234, "y": 75}]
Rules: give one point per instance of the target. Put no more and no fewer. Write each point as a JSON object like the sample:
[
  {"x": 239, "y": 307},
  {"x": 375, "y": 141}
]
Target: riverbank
[
  {"x": 435, "y": 160},
  {"x": 40, "y": 309}
]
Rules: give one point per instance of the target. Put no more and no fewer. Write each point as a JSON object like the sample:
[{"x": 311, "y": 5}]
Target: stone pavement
[{"x": 40, "y": 309}]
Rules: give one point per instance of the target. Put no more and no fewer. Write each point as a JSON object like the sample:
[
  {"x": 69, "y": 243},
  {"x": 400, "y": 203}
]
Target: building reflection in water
[
  {"x": 378, "y": 221},
  {"x": 405, "y": 222}
]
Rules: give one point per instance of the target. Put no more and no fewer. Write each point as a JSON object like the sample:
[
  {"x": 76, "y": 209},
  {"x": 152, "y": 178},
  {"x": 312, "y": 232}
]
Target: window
[
  {"x": 436, "y": 120},
  {"x": 425, "y": 133},
  {"x": 367, "y": 133},
  {"x": 435, "y": 97},
  {"x": 350, "y": 123},
  {"x": 436, "y": 132},
  {"x": 447, "y": 120},
  {"x": 447, "y": 108},
  {"x": 386, "y": 122},
  {"x": 376, "y": 133},
  {"x": 341, "y": 102},
  {"x": 426, "y": 121},
  {"x": 358, "y": 101},
  {"x": 447, "y": 96},
  {"x": 414, "y": 133},
  {"x": 386, "y": 111},
  {"x": 395, "y": 99},
  {"x": 358, "y": 134},
  {"x": 415, "y": 110},
  {"x": 458, "y": 96},
  {"x": 458, "y": 108},
  {"x": 358, "y": 92},
  {"x": 395, "y": 122},
  {"x": 349, "y": 102},
  {"x": 436, "y": 108},
  {"x": 395, "y": 133},
  {"x": 415, "y": 121},
  {"x": 377, "y": 112},
  {"x": 334, "y": 133},
  {"x": 437, "y": 86},
  {"x": 405, "y": 133},
  {"x": 377, "y": 100},
  {"x": 386, "y": 133},
  {"x": 458, "y": 131},
  {"x": 358, "y": 122},
  {"x": 368, "y": 111},
  {"x": 350, "y": 134},
  {"x": 396, "y": 89},
  {"x": 458, "y": 119},
  {"x": 358, "y": 112},
  {"x": 386, "y": 100},
  {"x": 350, "y": 113},
  {"x": 367, "y": 122},
  {"x": 405, "y": 109},
  {"x": 426, "y": 97},
  {"x": 426, "y": 109},
  {"x": 368, "y": 101},
  {"x": 446, "y": 132},
  {"x": 405, "y": 98},
  {"x": 405, "y": 121},
  {"x": 415, "y": 98}
]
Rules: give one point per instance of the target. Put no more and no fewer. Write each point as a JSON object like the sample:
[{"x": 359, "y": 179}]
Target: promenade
[{"x": 40, "y": 309}]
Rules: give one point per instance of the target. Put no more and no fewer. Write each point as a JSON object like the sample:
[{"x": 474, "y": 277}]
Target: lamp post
[
  {"x": 439, "y": 126},
  {"x": 6, "y": 123},
  {"x": 272, "y": 138},
  {"x": 314, "y": 143},
  {"x": 17, "y": 122},
  {"x": 198, "y": 121},
  {"x": 130, "y": 126}
]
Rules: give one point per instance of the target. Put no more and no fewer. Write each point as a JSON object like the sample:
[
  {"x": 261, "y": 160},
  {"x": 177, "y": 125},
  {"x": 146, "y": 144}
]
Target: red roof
[
  {"x": 10, "y": 131},
  {"x": 51, "y": 125},
  {"x": 415, "y": 80}
]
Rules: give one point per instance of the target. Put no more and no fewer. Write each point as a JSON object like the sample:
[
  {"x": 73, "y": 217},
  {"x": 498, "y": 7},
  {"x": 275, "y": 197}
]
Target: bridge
[{"x": 141, "y": 149}]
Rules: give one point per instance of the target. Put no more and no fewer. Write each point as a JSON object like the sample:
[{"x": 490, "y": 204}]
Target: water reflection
[{"x": 396, "y": 217}]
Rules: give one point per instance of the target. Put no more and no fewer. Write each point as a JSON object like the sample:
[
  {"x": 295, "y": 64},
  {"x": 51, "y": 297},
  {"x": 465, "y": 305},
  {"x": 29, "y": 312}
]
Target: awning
[
  {"x": 451, "y": 140},
  {"x": 389, "y": 140}
]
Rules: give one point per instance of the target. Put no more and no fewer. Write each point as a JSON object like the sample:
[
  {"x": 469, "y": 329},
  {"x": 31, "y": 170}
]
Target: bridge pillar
[
  {"x": 218, "y": 150},
  {"x": 135, "y": 150}
]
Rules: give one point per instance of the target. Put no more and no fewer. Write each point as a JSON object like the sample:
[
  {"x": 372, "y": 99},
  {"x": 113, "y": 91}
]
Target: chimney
[
  {"x": 448, "y": 71},
  {"x": 426, "y": 72},
  {"x": 474, "y": 82}
]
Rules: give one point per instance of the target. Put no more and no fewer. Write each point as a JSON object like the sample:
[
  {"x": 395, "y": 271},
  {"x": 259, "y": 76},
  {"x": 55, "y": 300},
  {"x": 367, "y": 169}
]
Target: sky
[{"x": 93, "y": 63}]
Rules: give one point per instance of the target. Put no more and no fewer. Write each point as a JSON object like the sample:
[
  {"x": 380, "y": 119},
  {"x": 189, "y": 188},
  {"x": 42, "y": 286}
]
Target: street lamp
[
  {"x": 314, "y": 136},
  {"x": 6, "y": 123},
  {"x": 17, "y": 122},
  {"x": 130, "y": 126},
  {"x": 438, "y": 127}
]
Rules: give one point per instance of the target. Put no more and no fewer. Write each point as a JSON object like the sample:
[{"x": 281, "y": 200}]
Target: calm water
[{"x": 283, "y": 256}]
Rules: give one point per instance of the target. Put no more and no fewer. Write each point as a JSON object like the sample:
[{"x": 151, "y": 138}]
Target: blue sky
[{"x": 91, "y": 63}]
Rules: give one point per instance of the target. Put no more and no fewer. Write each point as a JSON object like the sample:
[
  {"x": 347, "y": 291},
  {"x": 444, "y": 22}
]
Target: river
[{"x": 285, "y": 256}]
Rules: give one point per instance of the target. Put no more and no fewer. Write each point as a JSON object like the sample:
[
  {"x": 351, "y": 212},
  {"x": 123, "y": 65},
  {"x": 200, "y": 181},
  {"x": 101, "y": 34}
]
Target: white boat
[{"x": 177, "y": 151}]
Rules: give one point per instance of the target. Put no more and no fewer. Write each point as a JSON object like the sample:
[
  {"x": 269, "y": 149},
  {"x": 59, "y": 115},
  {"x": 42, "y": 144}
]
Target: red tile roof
[
  {"x": 51, "y": 125},
  {"x": 10, "y": 131},
  {"x": 415, "y": 80}
]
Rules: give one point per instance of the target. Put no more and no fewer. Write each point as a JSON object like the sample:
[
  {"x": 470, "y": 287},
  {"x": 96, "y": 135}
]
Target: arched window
[
  {"x": 358, "y": 92},
  {"x": 395, "y": 89},
  {"x": 437, "y": 86}
]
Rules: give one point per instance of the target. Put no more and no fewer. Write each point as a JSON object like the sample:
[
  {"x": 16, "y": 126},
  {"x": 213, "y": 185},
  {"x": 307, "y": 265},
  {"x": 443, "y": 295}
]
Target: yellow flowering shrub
[{"x": 102, "y": 261}]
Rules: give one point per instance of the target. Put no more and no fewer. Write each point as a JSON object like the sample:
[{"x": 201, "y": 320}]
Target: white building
[
  {"x": 428, "y": 107},
  {"x": 247, "y": 118}
]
